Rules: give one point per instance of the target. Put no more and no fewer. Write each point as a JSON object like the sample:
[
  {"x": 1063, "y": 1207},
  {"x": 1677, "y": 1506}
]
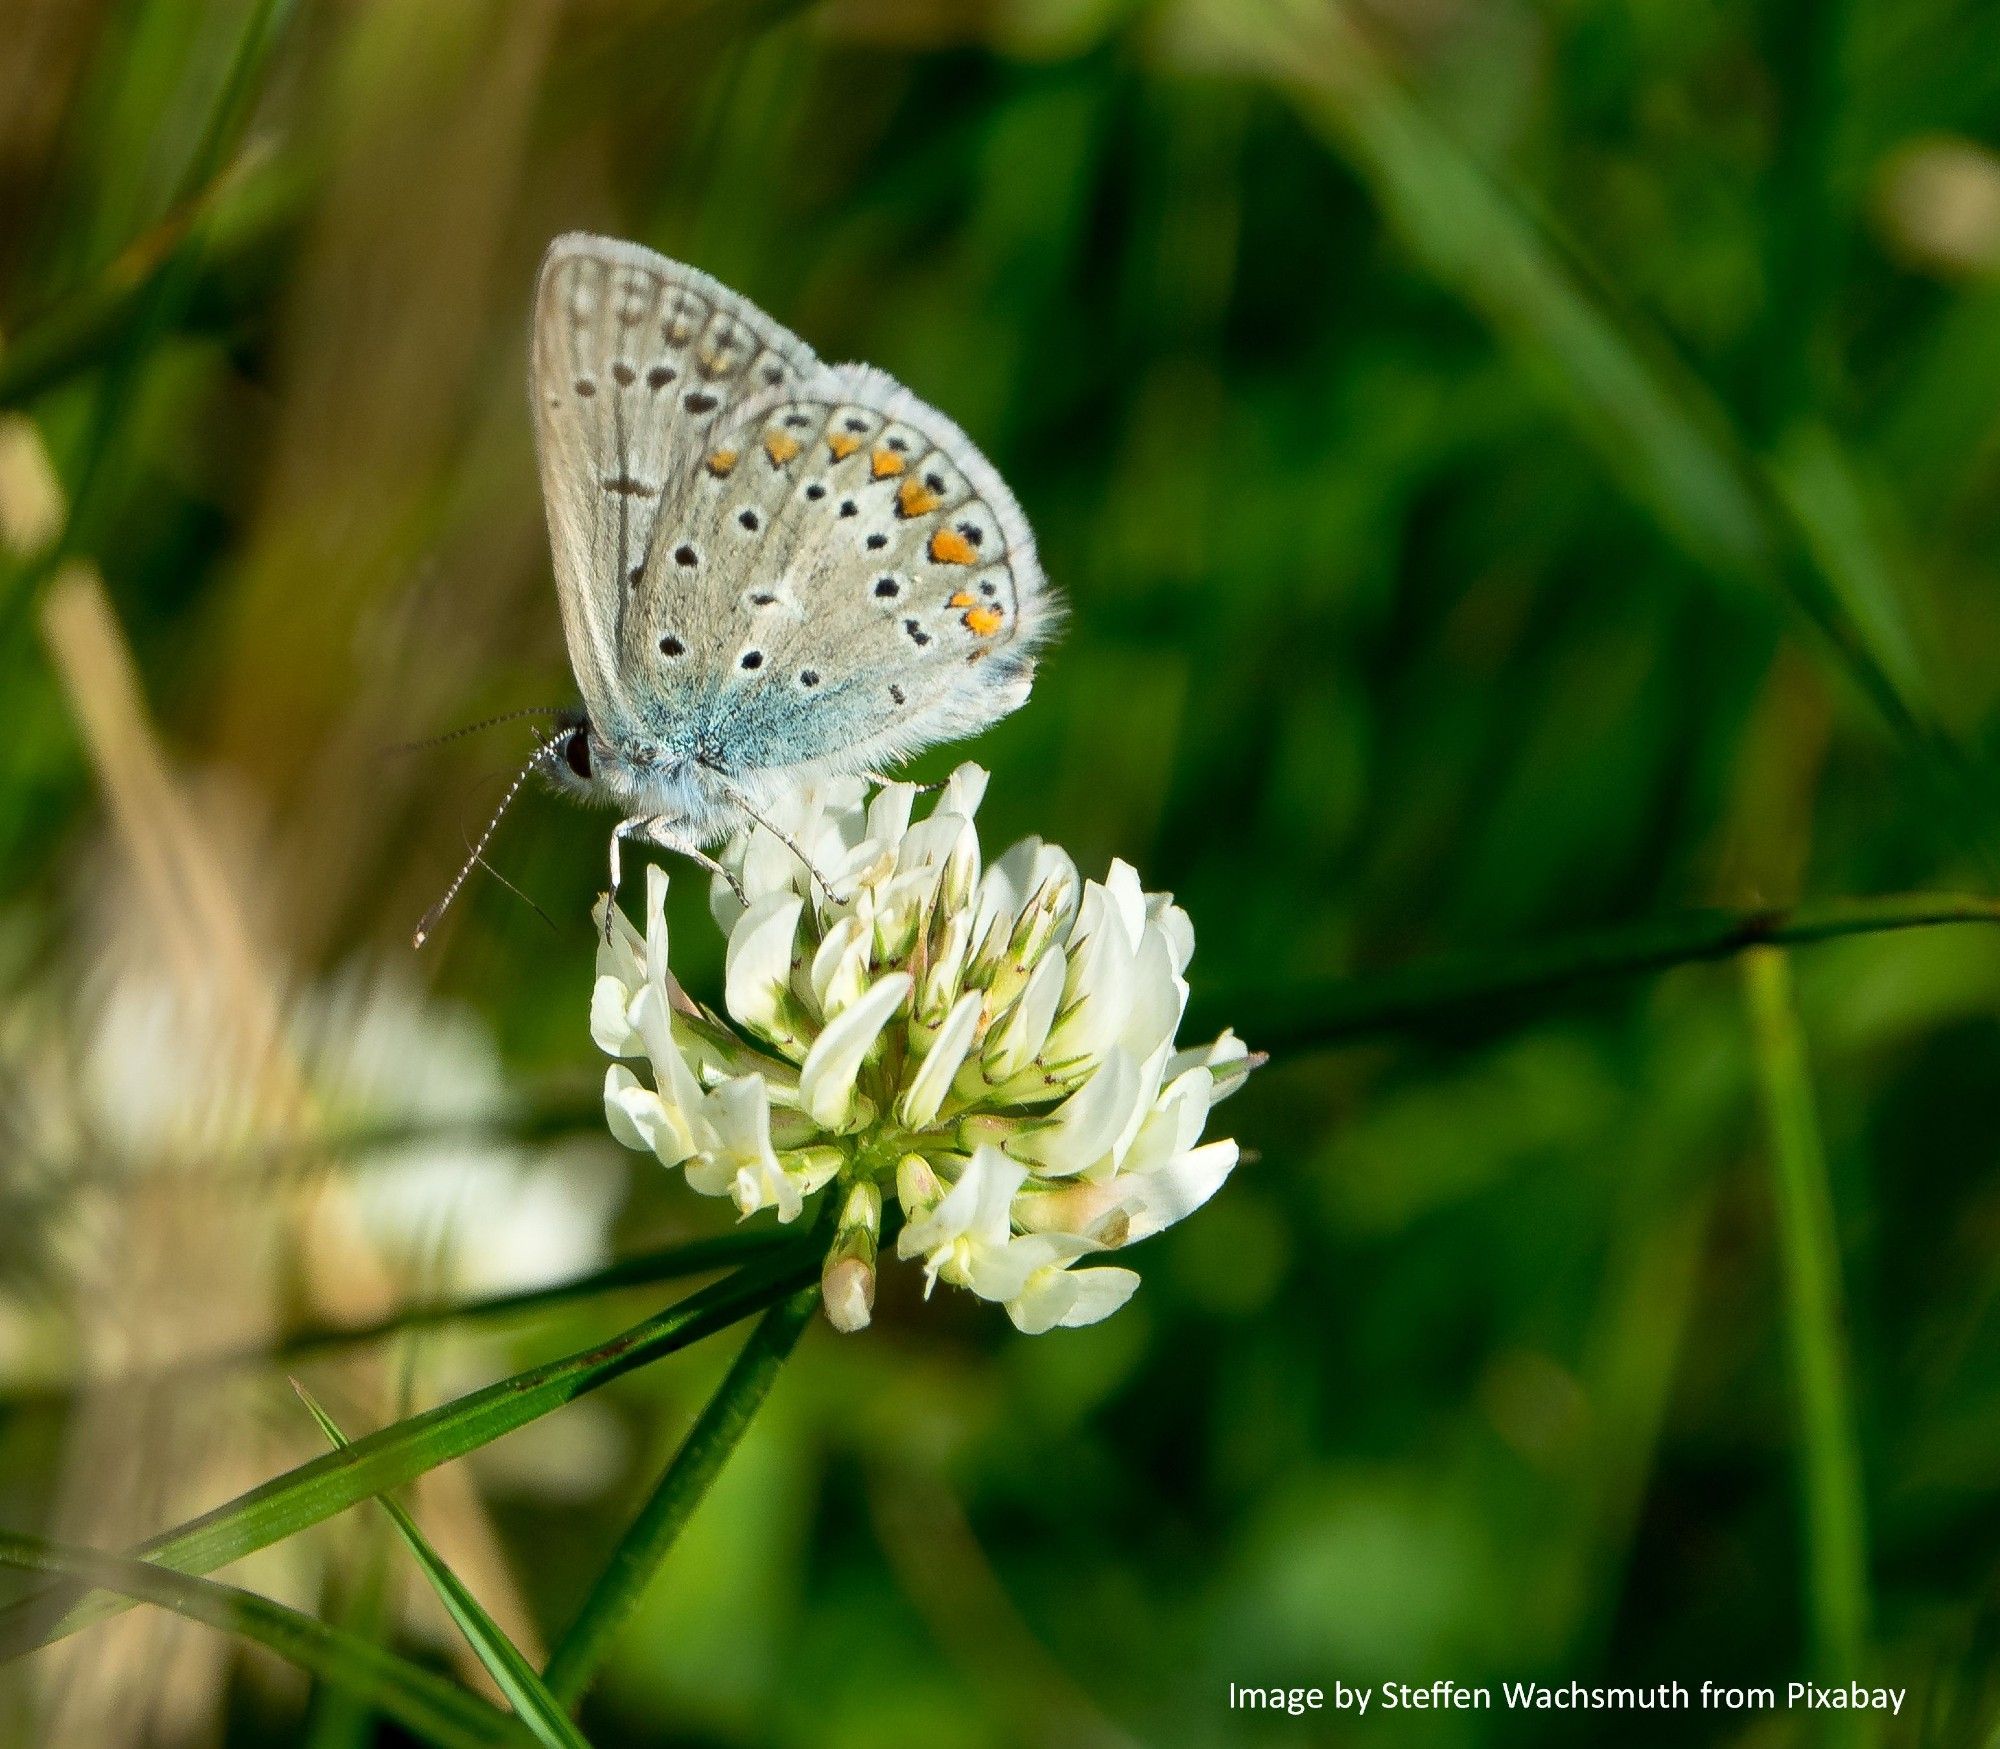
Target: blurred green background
[{"x": 1518, "y": 469}]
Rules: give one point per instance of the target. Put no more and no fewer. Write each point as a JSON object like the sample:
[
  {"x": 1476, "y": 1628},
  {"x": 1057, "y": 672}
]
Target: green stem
[
  {"x": 396, "y": 1455},
  {"x": 1809, "y": 1256},
  {"x": 1453, "y": 992},
  {"x": 716, "y": 1433}
]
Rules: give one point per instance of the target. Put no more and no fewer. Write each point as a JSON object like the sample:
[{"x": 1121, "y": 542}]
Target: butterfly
[{"x": 770, "y": 569}]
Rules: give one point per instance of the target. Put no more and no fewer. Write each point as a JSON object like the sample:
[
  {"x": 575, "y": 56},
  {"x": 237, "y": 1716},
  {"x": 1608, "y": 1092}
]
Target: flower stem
[
  {"x": 715, "y": 1434},
  {"x": 1830, "y": 1471}
]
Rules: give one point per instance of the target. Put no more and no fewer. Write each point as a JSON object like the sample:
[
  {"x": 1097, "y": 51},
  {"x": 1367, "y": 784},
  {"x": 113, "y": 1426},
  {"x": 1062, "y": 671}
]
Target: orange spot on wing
[
  {"x": 843, "y": 444},
  {"x": 780, "y": 446},
  {"x": 722, "y": 463},
  {"x": 914, "y": 498},
  {"x": 949, "y": 547},
  {"x": 886, "y": 462},
  {"x": 984, "y": 621},
  {"x": 961, "y": 599}
]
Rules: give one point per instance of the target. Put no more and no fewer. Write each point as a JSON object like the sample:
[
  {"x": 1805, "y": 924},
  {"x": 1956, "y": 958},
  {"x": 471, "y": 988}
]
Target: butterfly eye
[{"x": 576, "y": 753}]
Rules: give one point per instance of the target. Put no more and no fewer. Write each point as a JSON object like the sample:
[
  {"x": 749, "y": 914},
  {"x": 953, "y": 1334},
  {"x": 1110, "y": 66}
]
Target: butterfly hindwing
[{"x": 847, "y": 580}]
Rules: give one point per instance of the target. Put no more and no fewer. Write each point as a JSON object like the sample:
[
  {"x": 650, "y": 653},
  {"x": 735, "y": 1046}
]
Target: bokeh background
[{"x": 1519, "y": 469}]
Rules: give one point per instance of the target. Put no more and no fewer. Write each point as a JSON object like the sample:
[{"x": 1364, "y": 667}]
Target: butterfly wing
[
  {"x": 847, "y": 580},
  {"x": 635, "y": 361}
]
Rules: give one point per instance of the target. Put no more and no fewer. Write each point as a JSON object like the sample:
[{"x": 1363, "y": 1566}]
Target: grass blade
[
  {"x": 334, "y": 1719},
  {"x": 699, "y": 1461},
  {"x": 538, "y": 1709},
  {"x": 154, "y": 308},
  {"x": 78, "y": 332},
  {"x": 414, "y": 1697},
  {"x": 393, "y": 1456},
  {"x": 648, "y": 1269},
  {"x": 1836, "y": 1544},
  {"x": 1660, "y": 430},
  {"x": 1457, "y": 992}
]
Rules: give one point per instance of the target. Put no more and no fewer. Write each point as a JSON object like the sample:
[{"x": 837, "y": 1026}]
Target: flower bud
[
  {"x": 847, "y": 1281},
  {"x": 950, "y": 936},
  {"x": 917, "y": 1186},
  {"x": 847, "y": 1291}
]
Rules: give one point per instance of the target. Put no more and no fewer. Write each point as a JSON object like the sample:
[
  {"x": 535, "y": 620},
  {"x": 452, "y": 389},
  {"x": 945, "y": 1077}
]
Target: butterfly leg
[
  {"x": 788, "y": 841},
  {"x": 618, "y": 836},
  {"x": 658, "y": 831},
  {"x": 881, "y": 779}
]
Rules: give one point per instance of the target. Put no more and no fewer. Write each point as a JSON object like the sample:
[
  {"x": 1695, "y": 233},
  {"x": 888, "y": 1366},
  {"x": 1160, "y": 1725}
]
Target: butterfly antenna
[
  {"x": 478, "y": 853},
  {"x": 484, "y": 723}
]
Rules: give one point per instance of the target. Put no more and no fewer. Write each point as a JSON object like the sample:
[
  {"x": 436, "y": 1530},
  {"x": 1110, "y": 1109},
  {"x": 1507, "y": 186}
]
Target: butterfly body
[{"x": 770, "y": 569}]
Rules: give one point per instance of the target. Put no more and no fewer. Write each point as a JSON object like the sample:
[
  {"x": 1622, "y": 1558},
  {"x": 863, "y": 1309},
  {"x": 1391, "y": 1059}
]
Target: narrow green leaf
[
  {"x": 1459, "y": 991},
  {"x": 1809, "y": 1256},
  {"x": 395, "y": 1455},
  {"x": 538, "y": 1709},
  {"x": 154, "y": 308},
  {"x": 414, "y": 1697},
  {"x": 335, "y": 1719},
  {"x": 1660, "y": 430},
  {"x": 715, "y": 1434},
  {"x": 648, "y": 1269},
  {"x": 235, "y": 98},
  {"x": 82, "y": 329}
]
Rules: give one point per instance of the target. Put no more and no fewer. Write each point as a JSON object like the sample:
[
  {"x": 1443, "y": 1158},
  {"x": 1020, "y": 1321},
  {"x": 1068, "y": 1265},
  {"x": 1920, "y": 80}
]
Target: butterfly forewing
[
  {"x": 766, "y": 565},
  {"x": 636, "y": 360}
]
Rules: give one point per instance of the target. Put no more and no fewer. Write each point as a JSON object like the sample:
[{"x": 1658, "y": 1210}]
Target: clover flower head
[{"x": 991, "y": 1045}]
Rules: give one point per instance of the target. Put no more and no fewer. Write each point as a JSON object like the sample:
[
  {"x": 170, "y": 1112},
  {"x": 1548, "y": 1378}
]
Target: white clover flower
[{"x": 992, "y": 1045}]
